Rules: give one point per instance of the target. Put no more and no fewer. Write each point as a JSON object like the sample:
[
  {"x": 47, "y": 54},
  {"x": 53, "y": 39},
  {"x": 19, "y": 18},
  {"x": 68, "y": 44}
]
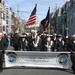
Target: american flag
[{"x": 32, "y": 18}]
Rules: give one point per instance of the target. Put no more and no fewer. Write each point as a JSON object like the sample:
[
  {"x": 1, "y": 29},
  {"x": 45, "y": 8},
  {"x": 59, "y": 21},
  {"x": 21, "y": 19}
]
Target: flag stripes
[{"x": 32, "y": 18}]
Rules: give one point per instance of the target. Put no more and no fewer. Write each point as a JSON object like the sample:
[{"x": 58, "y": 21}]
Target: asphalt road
[{"x": 34, "y": 71}]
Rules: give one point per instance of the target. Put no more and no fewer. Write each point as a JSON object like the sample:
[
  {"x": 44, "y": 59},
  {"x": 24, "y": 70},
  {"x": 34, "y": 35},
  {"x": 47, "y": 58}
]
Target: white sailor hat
[
  {"x": 54, "y": 34},
  {"x": 73, "y": 35},
  {"x": 1, "y": 33},
  {"x": 67, "y": 36},
  {"x": 60, "y": 35},
  {"x": 48, "y": 35}
]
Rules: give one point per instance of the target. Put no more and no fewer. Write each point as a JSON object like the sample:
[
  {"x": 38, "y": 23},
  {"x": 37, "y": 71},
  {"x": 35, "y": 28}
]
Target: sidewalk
[{"x": 10, "y": 48}]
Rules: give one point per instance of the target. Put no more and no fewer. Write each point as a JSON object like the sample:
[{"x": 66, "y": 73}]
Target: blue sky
[{"x": 26, "y": 7}]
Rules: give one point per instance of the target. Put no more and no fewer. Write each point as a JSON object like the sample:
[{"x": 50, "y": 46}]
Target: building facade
[
  {"x": 2, "y": 16},
  {"x": 57, "y": 21},
  {"x": 15, "y": 22},
  {"x": 8, "y": 19},
  {"x": 65, "y": 7},
  {"x": 68, "y": 14},
  {"x": 71, "y": 20}
]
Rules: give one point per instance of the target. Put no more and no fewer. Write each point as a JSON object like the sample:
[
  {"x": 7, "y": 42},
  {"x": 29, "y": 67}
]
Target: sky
[{"x": 26, "y": 6}]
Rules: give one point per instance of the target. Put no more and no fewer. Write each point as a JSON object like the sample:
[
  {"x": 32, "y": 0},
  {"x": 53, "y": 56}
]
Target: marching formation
[
  {"x": 42, "y": 42},
  {"x": 36, "y": 41}
]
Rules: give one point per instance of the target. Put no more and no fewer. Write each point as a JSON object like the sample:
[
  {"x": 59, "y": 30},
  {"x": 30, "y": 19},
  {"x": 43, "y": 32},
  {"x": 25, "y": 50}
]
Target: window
[
  {"x": 3, "y": 28},
  {"x": 7, "y": 30},
  {"x": 6, "y": 8},
  {"x": 7, "y": 26},
  {"x": 68, "y": 21},
  {"x": 74, "y": 30},
  {"x": 3, "y": 16},
  {"x": 0, "y": 28},
  {"x": 74, "y": 17},
  {"x": 71, "y": 19},
  {"x": 68, "y": 5},
  {"x": 6, "y": 21},
  {"x": 7, "y": 17},
  {"x": 73, "y": 2},
  {"x": 7, "y": 12}
]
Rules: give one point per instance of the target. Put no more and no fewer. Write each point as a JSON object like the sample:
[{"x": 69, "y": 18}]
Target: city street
[
  {"x": 40, "y": 36},
  {"x": 34, "y": 71}
]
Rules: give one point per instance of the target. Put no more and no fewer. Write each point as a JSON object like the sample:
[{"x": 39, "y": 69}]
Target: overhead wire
[
  {"x": 31, "y": 2},
  {"x": 7, "y": 2}
]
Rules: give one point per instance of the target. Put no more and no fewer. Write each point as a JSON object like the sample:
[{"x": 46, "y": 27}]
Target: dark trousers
[
  {"x": 1, "y": 59},
  {"x": 73, "y": 61},
  {"x": 37, "y": 48},
  {"x": 15, "y": 47},
  {"x": 44, "y": 48}
]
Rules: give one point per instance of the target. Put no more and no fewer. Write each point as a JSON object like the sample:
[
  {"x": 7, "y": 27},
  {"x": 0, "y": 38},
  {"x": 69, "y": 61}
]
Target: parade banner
[{"x": 37, "y": 59}]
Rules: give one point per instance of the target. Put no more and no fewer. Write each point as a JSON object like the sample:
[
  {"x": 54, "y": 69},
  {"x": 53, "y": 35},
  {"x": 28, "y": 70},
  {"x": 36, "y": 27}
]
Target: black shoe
[
  {"x": 0, "y": 67},
  {"x": 1, "y": 70},
  {"x": 72, "y": 67},
  {"x": 73, "y": 72}
]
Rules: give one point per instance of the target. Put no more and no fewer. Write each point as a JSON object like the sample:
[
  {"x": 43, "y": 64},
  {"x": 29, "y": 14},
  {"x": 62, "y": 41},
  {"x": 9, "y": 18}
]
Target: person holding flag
[{"x": 45, "y": 23}]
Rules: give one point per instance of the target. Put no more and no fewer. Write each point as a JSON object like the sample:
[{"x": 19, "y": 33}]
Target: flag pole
[
  {"x": 35, "y": 22},
  {"x": 49, "y": 21},
  {"x": 36, "y": 16},
  {"x": 46, "y": 21}
]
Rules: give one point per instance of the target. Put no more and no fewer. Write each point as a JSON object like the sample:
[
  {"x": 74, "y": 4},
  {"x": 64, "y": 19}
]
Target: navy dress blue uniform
[
  {"x": 44, "y": 42},
  {"x": 30, "y": 43},
  {"x": 71, "y": 48},
  {"x": 54, "y": 46},
  {"x": 66, "y": 41},
  {"x": 16, "y": 41},
  {"x": 60, "y": 43},
  {"x": 23, "y": 43},
  {"x": 3, "y": 46}
]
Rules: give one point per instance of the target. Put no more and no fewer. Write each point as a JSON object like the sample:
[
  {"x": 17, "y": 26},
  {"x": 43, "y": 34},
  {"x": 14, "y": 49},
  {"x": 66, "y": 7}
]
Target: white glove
[{"x": 35, "y": 45}]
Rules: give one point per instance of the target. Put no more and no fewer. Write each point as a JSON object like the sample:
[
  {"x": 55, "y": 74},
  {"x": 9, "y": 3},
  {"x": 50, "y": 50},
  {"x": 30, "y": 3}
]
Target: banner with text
[{"x": 37, "y": 59}]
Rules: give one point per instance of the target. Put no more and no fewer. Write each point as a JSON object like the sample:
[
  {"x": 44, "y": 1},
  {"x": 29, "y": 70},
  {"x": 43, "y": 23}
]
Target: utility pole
[
  {"x": 56, "y": 7},
  {"x": 18, "y": 10},
  {"x": 18, "y": 18}
]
